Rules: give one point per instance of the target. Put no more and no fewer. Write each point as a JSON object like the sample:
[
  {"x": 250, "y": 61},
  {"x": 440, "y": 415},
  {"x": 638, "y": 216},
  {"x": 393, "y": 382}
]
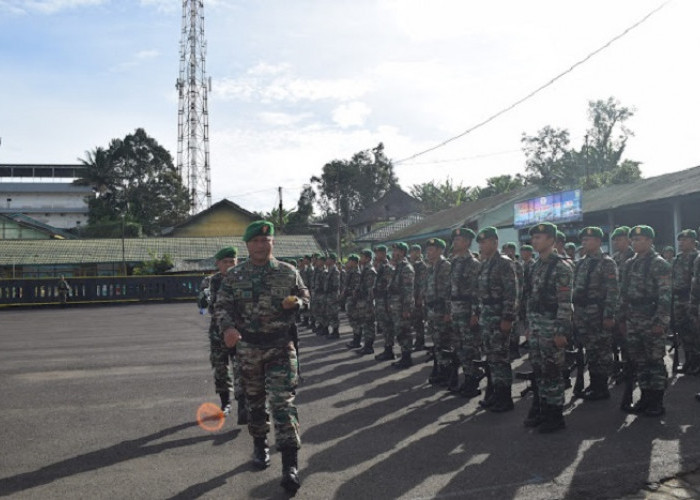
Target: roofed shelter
[{"x": 223, "y": 218}]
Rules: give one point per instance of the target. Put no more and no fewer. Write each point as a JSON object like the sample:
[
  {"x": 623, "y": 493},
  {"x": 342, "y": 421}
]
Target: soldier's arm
[
  {"x": 564, "y": 280},
  {"x": 407, "y": 283},
  {"x": 621, "y": 310},
  {"x": 224, "y": 306},
  {"x": 510, "y": 290},
  {"x": 610, "y": 288},
  {"x": 472, "y": 280},
  {"x": 446, "y": 290},
  {"x": 662, "y": 273},
  {"x": 300, "y": 290},
  {"x": 695, "y": 288},
  {"x": 371, "y": 281}
]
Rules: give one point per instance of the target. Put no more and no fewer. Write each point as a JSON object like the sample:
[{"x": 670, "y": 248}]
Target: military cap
[
  {"x": 259, "y": 228},
  {"x": 354, "y": 256},
  {"x": 464, "y": 232},
  {"x": 561, "y": 236},
  {"x": 487, "y": 232},
  {"x": 544, "y": 228},
  {"x": 291, "y": 262},
  {"x": 570, "y": 245},
  {"x": 669, "y": 248},
  {"x": 332, "y": 256},
  {"x": 367, "y": 253},
  {"x": 527, "y": 248},
  {"x": 688, "y": 233},
  {"x": 380, "y": 248},
  {"x": 592, "y": 231},
  {"x": 307, "y": 256},
  {"x": 510, "y": 244},
  {"x": 642, "y": 230},
  {"x": 621, "y": 231},
  {"x": 315, "y": 255},
  {"x": 400, "y": 246},
  {"x": 436, "y": 242},
  {"x": 226, "y": 253},
  {"x": 416, "y": 247}
]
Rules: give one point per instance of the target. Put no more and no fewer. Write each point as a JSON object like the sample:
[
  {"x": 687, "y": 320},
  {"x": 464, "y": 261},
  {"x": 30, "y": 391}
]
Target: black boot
[
  {"x": 261, "y": 453},
  {"x": 503, "y": 400},
  {"x": 324, "y": 331},
  {"x": 453, "y": 377},
  {"x": 552, "y": 420},
  {"x": 598, "y": 389},
  {"x": 335, "y": 334},
  {"x": 514, "y": 348},
  {"x": 629, "y": 375},
  {"x": 470, "y": 387},
  {"x": 489, "y": 396},
  {"x": 242, "y": 411},
  {"x": 693, "y": 366},
  {"x": 434, "y": 376},
  {"x": 640, "y": 406},
  {"x": 404, "y": 362},
  {"x": 290, "y": 473},
  {"x": 225, "y": 403},
  {"x": 305, "y": 321},
  {"x": 534, "y": 416},
  {"x": 655, "y": 406},
  {"x": 368, "y": 348},
  {"x": 419, "y": 345},
  {"x": 386, "y": 355},
  {"x": 355, "y": 342}
]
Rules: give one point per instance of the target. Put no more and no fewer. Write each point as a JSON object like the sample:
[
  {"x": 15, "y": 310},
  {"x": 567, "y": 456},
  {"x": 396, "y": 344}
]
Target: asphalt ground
[{"x": 101, "y": 402}]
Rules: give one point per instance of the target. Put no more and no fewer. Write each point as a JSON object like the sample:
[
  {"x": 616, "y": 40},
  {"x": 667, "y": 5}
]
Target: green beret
[
  {"x": 647, "y": 231},
  {"x": 527, "y": 248},
  {"x": 621, "y": 231},
  {"x": 510, "y": 244},
  {"x": 561, "y": 236},
  {"x": 669, "y": 248},
  {"x": 332, "y": 256},
  {"x": 688, "y": 233},
  {"x": 544, "y": 228},
  {"x": 417, "y": 247},
  {"x": 400, "y": 246},
  {"x": 591, "y": 231},
  {"x": 381, "y": 248},
  {"x": 570, "y": 245},
  {"x": 226, "y": 253},
  {"x": 354, "y": 256},
  {"x": 436, "y": 242},
  {"x": 307, "y": 256},
  {"x": 259, "y": 228},
  {"x": 487, "y": 232},
  {"x": 464, "y": 232},
  {"x": 291, "y": 262},
  {"x": 367, "y": 253}
]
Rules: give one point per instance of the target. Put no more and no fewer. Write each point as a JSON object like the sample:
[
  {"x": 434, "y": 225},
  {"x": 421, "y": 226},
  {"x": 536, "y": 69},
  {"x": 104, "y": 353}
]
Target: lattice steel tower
[{"x": 193, "y": 87}]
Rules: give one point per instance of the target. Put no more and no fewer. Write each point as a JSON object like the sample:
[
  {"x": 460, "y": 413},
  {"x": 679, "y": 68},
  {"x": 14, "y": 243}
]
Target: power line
[
  {"x": 465, "y": 158},
  {"x": 539, "y": 89}
]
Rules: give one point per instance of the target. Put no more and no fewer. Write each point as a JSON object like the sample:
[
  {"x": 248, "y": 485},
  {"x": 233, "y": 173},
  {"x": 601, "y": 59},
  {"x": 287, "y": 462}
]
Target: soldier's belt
[
  {"x": 463, "y": 298},
  {"x": 585, "y": 301},
  {"x": 541, "y": 308},
  {"x": 491, "y": 301},
  {"x": 264, "y": 339},
  {"x": 642, "y": 301}
]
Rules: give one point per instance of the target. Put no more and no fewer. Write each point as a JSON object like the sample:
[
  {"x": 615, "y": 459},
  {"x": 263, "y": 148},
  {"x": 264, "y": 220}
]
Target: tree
[
  {"x": 299, "y": 220},
  {"x": 435, "y": 197},
  {"x": 134, "y": 179},
  {"x": 549, "y": 160},
  {"x": 499, "y": 184},
  {"x": 155, "y": 265}
]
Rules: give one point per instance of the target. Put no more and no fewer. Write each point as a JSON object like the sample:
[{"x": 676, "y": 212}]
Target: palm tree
[{"x": 99, "y": 172}]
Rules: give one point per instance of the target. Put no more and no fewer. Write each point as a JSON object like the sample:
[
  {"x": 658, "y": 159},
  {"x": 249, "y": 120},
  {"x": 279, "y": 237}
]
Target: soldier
[
  {"x": 560, "y": 244},
  {"x": 509, "y": 251},
  {"x": 255, "y": 311},
  {"x": 343, "y": 279},
  {"x": 401, "y": 304},
  {"x": 331, "y": 293},
  {"x": 381, "y": 299},
  {"x": 595, "y": 294},
  {"x": 463, "y": 308},
  {"x": 318, "y": 296},
  {"x": 364, "y": 301},
  {"x": 438, "y": 289},
  {"x": 668, "y": 253},
  {"x": 350, "y": 293},
  {"x": 644, "y": 314},
  {"x": 498, "y": 304},
  {"x": 421, "y": 270},
  {"x": 621, "y": 246},
  {"x": 570, "y": 249},
  {"x": 681, "y": 320},
  {"x": 306, "y": 272},
  {"x": 310, "y": 284},
  {"x": 64, "y": 290},
  {"x": 526, "y": 254},
  {"x": 549, "y": 326}
]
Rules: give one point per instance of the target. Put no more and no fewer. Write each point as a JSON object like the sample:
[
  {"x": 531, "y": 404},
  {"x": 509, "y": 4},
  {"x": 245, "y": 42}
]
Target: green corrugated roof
[{"x": 33, "y": 252}]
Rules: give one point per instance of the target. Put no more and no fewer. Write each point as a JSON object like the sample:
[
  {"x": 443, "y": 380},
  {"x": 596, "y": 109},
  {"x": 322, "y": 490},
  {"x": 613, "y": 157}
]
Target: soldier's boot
[
  {"x": 445, "y": 370},
  {"x": 225, "y": 403},
  {"x": 697, "y": 396},
  {"x": 453, "y": 377},
  {"x": 514, "y": 348},
  {"x": 552, "y": 419},
  {"x": 419, "y": 345},
  {"x": 598, "y": 390},
  {"x": 261, "y": 453},
  {"x": 355, "y": 342},
  {"x": 404, "y": 362},
  {"x": 489, "y": 396},
  {"x": 641, "y": 405},
  {"x": 435, "y": 375},
  {"x": 324, "y": 331},
  {"x": 386, "y": 355},
  {"x": 368, "y": 348},
  {"x": 503, "y": 400},
  {"x": 655, "y": 408},
  {"x": 693, "y": 367},
  {"x": 470, "y": 387},
  {"x": 290, "y": 471},
  {"x": 335, "y": 334},
  {"x": 628, "y": 372},
  {"x": 305, "y": 321},
  {"x": 534, "y": 415},
  {"x": 242, "y": 413}
]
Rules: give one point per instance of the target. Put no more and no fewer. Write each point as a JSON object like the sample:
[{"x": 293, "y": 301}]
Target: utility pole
[
  {"x": 281, "y": 218},
  {"x": 586, "y": 166}
]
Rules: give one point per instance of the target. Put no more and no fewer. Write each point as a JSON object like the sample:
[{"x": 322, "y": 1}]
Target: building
[
  {"x": 21, "y": 227},
  {"x": 223, "y": 218},
  {"x": 394, "y": 205},
  {"x": 58, "y": 204}
]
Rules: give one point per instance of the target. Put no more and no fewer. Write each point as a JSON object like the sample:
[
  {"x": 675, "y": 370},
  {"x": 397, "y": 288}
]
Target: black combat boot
[
  {"x": 435, "y": 375},
  {"x": 225, "y": 403},
  {"x": 640, "y": 405},
  {"x": 489, "y": 396},
  {"x": 419, "y": 345},
  {"x": 290, "y": 473},
  {"x": 242, "y": 413},
  {"x": 552, "y": 418},
  {"x": 470, "y": 387},
  {"x": 355, "y": 342},
  {"x": 534, "y": 415},
  {"x": 335, "y": 334},
  {"x": 453, "y": 377},
  {"x": 514, "y": 351},
  {"x": 503, "y": 400},
  {"x": 368, "y": 348},
  {"x": 324, "y": 331},
  {"x": 598, "y": 389},
  {"x": 404, "y": 362},
  {"x": 386, "y": 355},
  {"x": 261, "y": 453},
  {"x": 655, "y": 407},
  {"x": 305, "y": 321}
]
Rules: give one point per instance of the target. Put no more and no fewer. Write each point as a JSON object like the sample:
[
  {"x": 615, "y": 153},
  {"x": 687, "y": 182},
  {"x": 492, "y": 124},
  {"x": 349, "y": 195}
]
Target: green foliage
[
  {"x": 499, "y": 184},
  {"x": 299, "y": 220},
  {"x": 440, "y": 196},
  {"x": 135, "y": 177},
  {"x": 155, "y": 265},
  {"x": 108, "y": 228}
]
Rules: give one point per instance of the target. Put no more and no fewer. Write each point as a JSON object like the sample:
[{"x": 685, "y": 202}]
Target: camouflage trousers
[
  {"x": 227, "y": 369},
  {"x": 317, "y": 308},
  {"x": 419, "y": 323},
  {"x": 331, "y": 310},
  {"x": 271, "y": 373},
  {"x": 646, "y": 351},
  {"x": 596, "y": 341},
  {"x": 401, "y": 324},
  {"x": 362, "y": 320},
  {"x": 469, "y": 346},
  {"x": 547, "y": 359},
  {"x": 443, "y": 335},
  {"x": 497, "y": 349},
  {"x": 384, "y": 321},
  {"x": 686, "y": 326}
]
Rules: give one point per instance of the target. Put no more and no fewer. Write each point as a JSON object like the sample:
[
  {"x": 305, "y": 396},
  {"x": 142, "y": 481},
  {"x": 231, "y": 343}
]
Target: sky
[{"x": 296, "y": 84}]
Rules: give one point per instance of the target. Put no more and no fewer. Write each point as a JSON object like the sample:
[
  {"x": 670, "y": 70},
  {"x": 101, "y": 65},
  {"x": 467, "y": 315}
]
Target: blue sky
[{"x": 299, "y": 83}]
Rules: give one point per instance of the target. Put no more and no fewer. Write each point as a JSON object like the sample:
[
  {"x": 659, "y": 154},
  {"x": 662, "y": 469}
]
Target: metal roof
[
  {"x": 385, "y": 232},
  {"x": 45, "y": 252},
  {"x": 44, "y": 187}
]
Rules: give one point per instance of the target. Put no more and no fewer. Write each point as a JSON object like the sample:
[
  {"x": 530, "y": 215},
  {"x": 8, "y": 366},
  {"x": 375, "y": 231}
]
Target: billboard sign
[{"x": 556, "y": 208}]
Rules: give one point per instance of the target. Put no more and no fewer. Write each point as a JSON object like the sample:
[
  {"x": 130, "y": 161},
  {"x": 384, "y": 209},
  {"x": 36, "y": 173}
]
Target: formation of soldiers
[{"x": 577, "y": 308}]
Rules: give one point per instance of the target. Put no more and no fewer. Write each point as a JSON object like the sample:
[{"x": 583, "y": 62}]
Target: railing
[{"x": 90, "y": 290}]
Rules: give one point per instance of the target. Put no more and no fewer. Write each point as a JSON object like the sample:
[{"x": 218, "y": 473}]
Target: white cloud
[
  {"x": 352, "y": 114},
  {"x": 282, "y": 119},
  {"x": 136, "y": 60},
  {"x": 45, "y": 6}
]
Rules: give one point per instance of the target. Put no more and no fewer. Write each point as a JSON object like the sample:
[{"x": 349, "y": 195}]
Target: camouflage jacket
[
  {"x": 365, "y": 289},
  {"x": 682, "y": 276},
  {"x": 621, "y": 257},
  {"x": 352, "y": 283},
  {"x": 695, "y": 289},
  {"x": 401, "y": 285},
  {"x": 318, "y": 281},
  {"x": 464, "y": 283},
  {"x": 331, "y": 284},
  {"x": 308, "y": 276},
  {"x": 250, "y": 300},
  {"x": 645, "y": 289},
  {"x": 438, "y": 286},
  {"x": 497, "y": 287},
  {"x": 419, "y": 283},
  {"x": 550, "y": 294},
  {"x": 384, "y": 274},
  {"x": 595, "y": 283},
  {"x": 526, "y": 288}
]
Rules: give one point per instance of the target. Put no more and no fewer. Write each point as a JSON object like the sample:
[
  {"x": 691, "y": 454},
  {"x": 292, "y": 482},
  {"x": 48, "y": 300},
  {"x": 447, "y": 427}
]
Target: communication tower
[{"x": 193, "y": 87}]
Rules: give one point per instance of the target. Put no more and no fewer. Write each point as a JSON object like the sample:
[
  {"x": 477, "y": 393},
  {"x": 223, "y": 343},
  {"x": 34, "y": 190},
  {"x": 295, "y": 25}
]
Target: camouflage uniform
[
  {"x": 381, "y": 301},
  {"x": 463, "y": 305},
  {"x": 306, "y": 274},
  {"x": 364, "y": 305},
  {"x": 621, "y": 257},
  {"x": 682, "y": 321},
  {"x": 250, "y": 300},
  {"x": 401, "y": 301},
  {"x": 318, "y": 300},
  {"x": 309, "y": 282},
  {"x": 437, "y": 306},
  {"x": 352, "y": 284},
  {"x": 421, "y": 270},
  {"x": 331, "y": 290}
]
